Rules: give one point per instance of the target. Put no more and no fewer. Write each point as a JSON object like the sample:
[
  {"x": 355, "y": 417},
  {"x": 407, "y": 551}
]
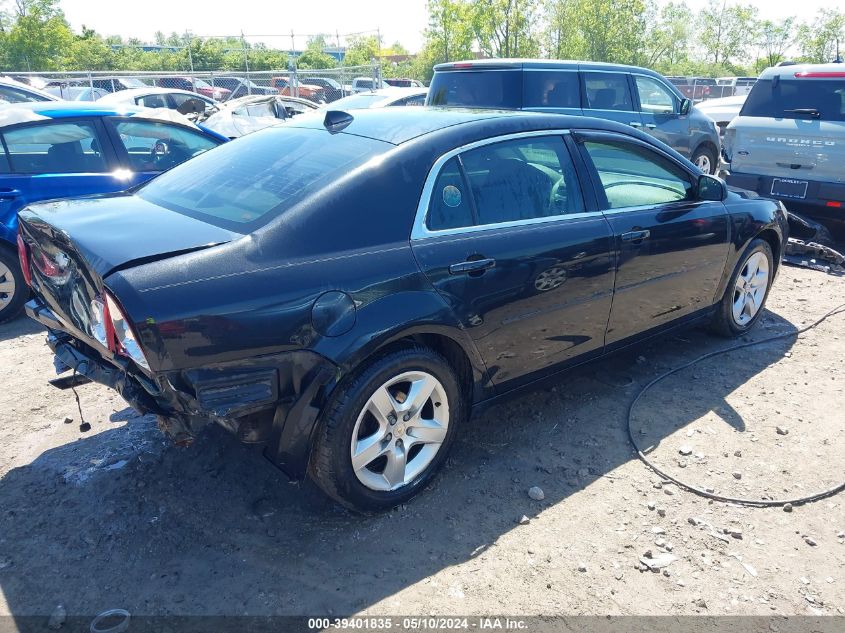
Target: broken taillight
[
  {"x": 113, "y": 331},
  {"x": 23, "y": 254},
  {"x": 126, "y": 343}
]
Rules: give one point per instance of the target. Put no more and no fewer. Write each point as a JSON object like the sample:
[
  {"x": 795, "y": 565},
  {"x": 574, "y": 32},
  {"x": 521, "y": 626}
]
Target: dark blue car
[
  {"x": 57, "y": 149},
  {"x": 346, "y": 288}
]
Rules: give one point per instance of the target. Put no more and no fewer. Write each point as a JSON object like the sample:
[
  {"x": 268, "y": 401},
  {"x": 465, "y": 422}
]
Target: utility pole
[
  {"x": 246, "y": 63},
  {"x": 190, "y": 55}
]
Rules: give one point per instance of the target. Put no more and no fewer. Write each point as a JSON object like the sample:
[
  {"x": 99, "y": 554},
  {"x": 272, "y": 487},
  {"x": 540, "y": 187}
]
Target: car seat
[
  {"x": 604, "y": 99},
  {"x": 66, "y": 157}
]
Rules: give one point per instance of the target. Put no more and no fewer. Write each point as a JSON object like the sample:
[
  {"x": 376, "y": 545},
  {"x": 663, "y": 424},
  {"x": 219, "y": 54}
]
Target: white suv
[{"x": 788, "y": 141}]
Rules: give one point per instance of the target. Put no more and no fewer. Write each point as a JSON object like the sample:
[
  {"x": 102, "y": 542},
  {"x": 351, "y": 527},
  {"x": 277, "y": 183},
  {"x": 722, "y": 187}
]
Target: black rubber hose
[{"x": 761, "y": 503}]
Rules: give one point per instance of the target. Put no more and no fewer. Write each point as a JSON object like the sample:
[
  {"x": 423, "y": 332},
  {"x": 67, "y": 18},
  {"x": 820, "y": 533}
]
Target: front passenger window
[{"x": 633, "y": 176}]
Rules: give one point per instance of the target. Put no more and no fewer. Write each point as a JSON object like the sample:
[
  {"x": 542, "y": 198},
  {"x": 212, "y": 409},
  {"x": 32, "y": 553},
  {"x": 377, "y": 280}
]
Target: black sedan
[{"x": 346, "y": 289}]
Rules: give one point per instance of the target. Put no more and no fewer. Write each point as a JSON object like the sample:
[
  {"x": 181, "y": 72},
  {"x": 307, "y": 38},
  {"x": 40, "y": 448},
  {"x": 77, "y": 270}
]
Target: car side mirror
[
  {"x": 711, "y": 188},
  {"x": 686, "y": 105}
]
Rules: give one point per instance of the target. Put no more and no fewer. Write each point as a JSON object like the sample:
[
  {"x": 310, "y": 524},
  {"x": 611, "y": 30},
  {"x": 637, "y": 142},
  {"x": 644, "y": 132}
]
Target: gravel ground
[{"x": 115, "y": 517}]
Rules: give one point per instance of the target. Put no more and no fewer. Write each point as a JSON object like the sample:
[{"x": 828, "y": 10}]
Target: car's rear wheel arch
[{"x": 771, "y": 237}]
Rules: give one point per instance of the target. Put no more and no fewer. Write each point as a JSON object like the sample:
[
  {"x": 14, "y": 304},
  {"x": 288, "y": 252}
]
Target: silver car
[{"x": 788, "y": 141}]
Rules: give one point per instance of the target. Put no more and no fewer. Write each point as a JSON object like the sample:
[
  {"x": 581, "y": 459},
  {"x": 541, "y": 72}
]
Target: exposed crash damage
[{"x": 813, "y": 255}]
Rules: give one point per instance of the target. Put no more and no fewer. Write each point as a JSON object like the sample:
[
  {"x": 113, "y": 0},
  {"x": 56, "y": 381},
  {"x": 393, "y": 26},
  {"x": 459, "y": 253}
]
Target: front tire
[
  {"x": 13, "y": 289},
  {"x": 747, "y": 291},
  {"x": 387, "y": 430},
  {"x": 706, "y": 159}
]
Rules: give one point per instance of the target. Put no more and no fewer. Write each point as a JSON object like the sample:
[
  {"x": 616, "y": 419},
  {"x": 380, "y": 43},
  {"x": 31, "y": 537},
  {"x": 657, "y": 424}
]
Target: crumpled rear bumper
[{"x": 273, "y": 400}]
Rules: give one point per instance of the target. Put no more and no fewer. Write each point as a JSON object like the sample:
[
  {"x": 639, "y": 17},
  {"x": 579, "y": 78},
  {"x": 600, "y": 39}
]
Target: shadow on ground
[{"x": 215, "y": 529}]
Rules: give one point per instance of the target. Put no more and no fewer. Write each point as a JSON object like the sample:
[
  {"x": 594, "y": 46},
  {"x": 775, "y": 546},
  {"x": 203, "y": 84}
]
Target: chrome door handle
[
  {"x": 472, "y": 266},
  {"x": 651, "y": 126},
  {"x": 636, "y": 236},
  {"x": 9, "y": 194},
  {"x": 635, "y": 124}
]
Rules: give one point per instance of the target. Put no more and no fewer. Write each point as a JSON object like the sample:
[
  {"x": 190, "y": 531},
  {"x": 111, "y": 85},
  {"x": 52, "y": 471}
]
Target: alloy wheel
[
  {"x": 703, "y": 163},
  {"x": 7, "y": 285},
  {"x": 750, "y": 289},
  {"x": 399, "y": 431}
]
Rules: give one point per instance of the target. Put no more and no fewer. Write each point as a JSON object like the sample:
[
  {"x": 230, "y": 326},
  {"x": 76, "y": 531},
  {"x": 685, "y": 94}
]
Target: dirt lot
[{"x": 117, "y": 518}]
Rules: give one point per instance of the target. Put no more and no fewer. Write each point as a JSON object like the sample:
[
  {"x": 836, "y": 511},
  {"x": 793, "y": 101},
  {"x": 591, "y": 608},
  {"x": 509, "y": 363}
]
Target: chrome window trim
[{"x": 420, "y": 231}]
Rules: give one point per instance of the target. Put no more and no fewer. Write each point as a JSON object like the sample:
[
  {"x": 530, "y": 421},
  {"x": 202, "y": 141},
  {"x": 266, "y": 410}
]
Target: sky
[{"x": 397, "y": 20}]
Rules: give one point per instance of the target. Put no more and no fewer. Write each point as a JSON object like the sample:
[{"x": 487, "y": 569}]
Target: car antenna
[{"x": 336, "y": 120}]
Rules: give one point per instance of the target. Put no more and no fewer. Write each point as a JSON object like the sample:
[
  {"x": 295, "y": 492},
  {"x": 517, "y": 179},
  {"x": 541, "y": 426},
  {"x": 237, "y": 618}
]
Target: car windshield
[
  {"x": 131, "y": 82},
  {"x": 241, "y": 186},
  {"x": 798, "y": 98},
  {"x": 199, "y": 83},
  {"x": 477, "y": 89}
]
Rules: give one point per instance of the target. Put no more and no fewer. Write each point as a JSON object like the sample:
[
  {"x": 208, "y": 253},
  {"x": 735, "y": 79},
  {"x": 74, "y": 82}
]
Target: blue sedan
[{"x": 61, "y": 149}]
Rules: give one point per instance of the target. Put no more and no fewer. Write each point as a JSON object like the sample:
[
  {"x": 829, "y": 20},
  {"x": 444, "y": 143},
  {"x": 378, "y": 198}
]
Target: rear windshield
[
  {"x": 477, "y": 89},
  {"x": 244, "y": 184},
  {"x": 822, "y": 99},
  {"x": 357, "y": 101}
]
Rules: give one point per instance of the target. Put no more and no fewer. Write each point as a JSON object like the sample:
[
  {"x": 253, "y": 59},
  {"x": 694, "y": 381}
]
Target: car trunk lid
[{"x": 75, "y": 244}]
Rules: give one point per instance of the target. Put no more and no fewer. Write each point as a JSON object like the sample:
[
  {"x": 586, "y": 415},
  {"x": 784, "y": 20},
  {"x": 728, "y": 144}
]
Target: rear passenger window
[
  {"x": 551, "y": 89},
  {"x": 450, "y": 205},
  {"x": 55, "y": 148},
  {"x": 608, "y": 91},
  {"x": 634, "y": 176},
  {"x": 522, "y": 179}
]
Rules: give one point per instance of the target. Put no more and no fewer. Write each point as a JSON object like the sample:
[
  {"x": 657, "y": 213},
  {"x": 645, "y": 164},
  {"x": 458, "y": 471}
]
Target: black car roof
[{"x": 401, "y": 124}]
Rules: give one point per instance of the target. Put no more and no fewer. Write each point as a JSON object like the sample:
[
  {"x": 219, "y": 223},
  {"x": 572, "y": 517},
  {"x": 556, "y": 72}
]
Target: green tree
[
  {"x": 505, "y": 28},
  {"x": 313, "y": 57},
  {"x": 39, "y": 38},
  {"x": 362, "y": 51},
  {"x": 726, "y": 32},
  {"x": 773, "y": 40},
  {"x": 821, "y": 39},
  {"x": 668, "y": 36},
  {"x": 449, "y": 35}
]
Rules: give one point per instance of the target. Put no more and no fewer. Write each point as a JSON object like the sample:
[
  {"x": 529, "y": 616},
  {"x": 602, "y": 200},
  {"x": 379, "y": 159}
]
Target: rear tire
[
  {"x": 13, "y": 289},
  {"x": 706, "y": 159},
  {"x": 746, "y": 293},
  {"x": 387, "y": 430}
]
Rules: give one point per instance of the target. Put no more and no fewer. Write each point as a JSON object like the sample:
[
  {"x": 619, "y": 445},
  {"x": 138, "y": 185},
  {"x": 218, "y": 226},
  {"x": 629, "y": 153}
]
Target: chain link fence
[{"x": 319, "y": 86}]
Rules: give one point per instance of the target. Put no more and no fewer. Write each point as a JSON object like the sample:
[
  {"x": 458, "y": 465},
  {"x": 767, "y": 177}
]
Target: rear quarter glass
[{"x": 500, "y": 89}]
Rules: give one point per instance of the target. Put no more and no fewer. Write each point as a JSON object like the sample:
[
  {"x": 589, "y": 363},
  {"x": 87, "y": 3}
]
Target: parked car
[
  {"x": 386, "y": 97},
  {"x": 240, "y": 87},
  {"x": 185, "y": 102},
  {"x": 252, "y": 113},
  {"x": 695, "y": 88},
  {"x": 722, "y": 111},
  {"x": 116, "y": 84},
  {"x": 332, "y": 90},
  {"x": 788, "y": 141},
  {"x": 347, "y": 288},
  {"x": 635, "y": 96},
  {"x": 12, "y": 91},
  {"x": 312, "y": 92},
  {"x": 77, "y": 93},
  {"x": 58, "y": 149},
  {"x": 404, "y": 82},
  {"x": 365, "y": 84},
  {"x": 192, "y": 84}
]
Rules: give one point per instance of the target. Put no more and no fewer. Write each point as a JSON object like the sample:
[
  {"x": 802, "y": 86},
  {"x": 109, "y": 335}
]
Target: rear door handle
[
  {"x": 472, "y": 266},
  {"x": 651, "y": 126},
  {"x": 636, "y": 236},
  {"x": 635, "y": 124},
  {"x": 9, "y": 194}
]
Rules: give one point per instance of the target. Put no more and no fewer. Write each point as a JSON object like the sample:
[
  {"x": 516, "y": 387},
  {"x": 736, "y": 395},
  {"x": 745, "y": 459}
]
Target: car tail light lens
[
  {"x": 23, "y": 255},
  {"x": 111, "y": 328},
  {"x": 834, "y": 203},
  {"x": 123, "y": 334}
]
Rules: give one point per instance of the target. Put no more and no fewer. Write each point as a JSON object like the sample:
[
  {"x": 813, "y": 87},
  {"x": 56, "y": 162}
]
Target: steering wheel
[{"x": 558, "y": 198}]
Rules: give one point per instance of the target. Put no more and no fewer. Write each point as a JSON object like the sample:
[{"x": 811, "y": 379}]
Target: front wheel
[
  {"x": 13, "y": 288},
  {"x": 387, "y": 430},
  {"x": 706, "y": 160},
  {"x": 746, "y": 293}
]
